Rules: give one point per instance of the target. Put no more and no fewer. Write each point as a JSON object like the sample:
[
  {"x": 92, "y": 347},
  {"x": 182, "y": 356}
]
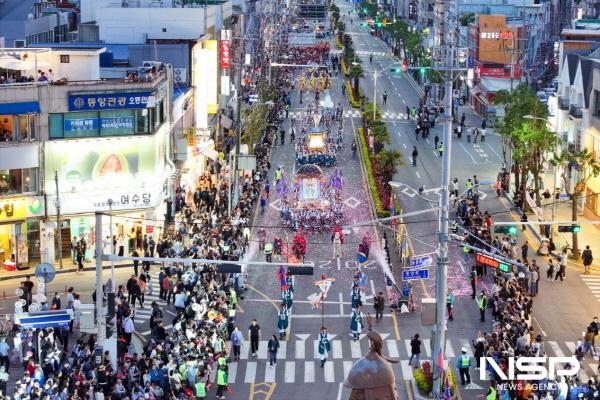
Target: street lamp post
[
  {"x": 554, "y": 167},
  {"x": 376, "y": 74}
]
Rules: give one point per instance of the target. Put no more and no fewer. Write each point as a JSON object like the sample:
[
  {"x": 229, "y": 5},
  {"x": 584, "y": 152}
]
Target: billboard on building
[
  {"x": 205, "y": 64},
  {"x": 91, "y": 171},
  {"x": 498, "y": 43}
]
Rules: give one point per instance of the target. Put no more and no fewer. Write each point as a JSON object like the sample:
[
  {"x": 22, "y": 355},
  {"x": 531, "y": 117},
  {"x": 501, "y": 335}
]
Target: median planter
[
  {"x": 371, "y": 177},
  {"x": 354, "y": 102}
]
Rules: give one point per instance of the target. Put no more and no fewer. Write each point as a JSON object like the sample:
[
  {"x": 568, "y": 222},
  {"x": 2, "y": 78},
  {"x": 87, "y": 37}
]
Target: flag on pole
[
  {"x": 447, "y": 393},
  {"x": 440, "y": 360}
]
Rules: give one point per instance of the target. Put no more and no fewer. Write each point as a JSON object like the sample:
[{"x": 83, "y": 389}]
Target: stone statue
[{"x": 372, "y": 377}]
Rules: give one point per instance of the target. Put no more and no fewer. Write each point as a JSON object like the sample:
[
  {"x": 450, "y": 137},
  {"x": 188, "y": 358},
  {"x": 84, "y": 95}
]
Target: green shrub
[
  {"x": 379, "y": 209},
  {"x": 338, "y": 43},
  {"x": 355, "y": 103},
  {"x": 421, "y": 382}
]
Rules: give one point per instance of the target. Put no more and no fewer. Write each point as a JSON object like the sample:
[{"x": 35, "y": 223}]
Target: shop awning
[
  {"x": 25, "y": 107},
  {"x": 44, "y": 319},
  {"x": 496, "y": 84}
]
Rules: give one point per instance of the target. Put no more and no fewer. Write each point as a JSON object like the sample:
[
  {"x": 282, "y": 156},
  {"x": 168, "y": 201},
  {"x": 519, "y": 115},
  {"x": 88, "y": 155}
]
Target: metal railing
[
  {"x": 563, "y": 103},
  {"x": 575, "y": 111}
]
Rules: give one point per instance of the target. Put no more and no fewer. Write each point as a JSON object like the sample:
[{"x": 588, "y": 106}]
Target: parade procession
[{"x": 301, "y": 199}]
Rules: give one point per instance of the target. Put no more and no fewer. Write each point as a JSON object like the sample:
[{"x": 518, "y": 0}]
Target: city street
[{"x": 176, "y": 119}]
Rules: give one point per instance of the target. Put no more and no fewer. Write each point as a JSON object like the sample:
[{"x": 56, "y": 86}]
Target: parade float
[
  {"x": 317, "y": 143},
  {"x": 314, "y": 202}
]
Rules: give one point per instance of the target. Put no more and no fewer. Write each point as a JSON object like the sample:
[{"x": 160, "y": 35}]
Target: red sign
[
  {"x": 225, "y": 59},
  {"x": 149, "y": 229},
  {"x": 485, "y": 260}
]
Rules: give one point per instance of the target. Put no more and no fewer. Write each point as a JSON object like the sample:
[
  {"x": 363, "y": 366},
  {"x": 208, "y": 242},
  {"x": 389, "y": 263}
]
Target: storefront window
[
  {"x": 17, "y": 128},
  {"x": 16, "y": 181},
  {"x": 142, "y": 123},
  {"x": 15, "y": 246},
  {"x": 102, "y": 123}
]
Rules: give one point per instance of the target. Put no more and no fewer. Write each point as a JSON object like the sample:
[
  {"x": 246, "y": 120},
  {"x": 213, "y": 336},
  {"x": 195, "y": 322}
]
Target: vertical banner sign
[
  {"x": 225, "y": 56},
  {"x": 211, "y": 59},
  {"x": 191, "y": 137}
]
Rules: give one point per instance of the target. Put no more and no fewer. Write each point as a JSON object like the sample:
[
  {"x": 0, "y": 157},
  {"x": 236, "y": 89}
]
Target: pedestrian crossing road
[
  {"x": 143, "y": 314},
  {"x": 593, "y": 282},
  {"x": 355, "y": 114},
  {"x": 298, "y": 359}
]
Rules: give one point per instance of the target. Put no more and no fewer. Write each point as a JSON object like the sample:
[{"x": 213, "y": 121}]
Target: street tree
[
  {"x": 355, "y": 73},
  {"x": 583, "y": 166},
  {"x": 348, "y": 48},
  {"x": 529, "y": 145},
  {"x": 388, "y": 161}
]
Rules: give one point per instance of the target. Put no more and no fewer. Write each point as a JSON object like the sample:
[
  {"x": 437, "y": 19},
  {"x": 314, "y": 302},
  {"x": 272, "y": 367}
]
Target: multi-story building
[{"x": 78, "y": 143}]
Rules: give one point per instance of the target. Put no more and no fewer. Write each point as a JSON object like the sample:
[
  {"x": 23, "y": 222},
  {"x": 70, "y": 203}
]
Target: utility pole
[
  {"x": 58, "y": 223},
  {"x": 446, "y": 63}
]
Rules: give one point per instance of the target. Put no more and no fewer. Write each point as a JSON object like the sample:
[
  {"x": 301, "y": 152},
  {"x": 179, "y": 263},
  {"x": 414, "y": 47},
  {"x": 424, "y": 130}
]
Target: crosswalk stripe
[
  {"x": 590, "y": 277},
  {"x": 309, "y": 371},
  {"x": 262, "y": 350},
  {"x": 571, "y": 346},
  {"x": 282, "y": 353},
  {"x": 347, "y": 368},
  {"x": 329, "y": 372},
  {"x": 250, "y": 372},
  {"x": 406, "y": 371},
  {"x": 449, "y": 350},
  {"x": 300, "y": 349},
  {"x": 355, "y": 349},
  {"x": 245, "y": 350},
  {"x": 270, "y": 372},
  {"x": 232, "y": 371},
  {"x": 427, "y": 345},
  {"x": 407, "y": 344},
  {"x": 392, "y": 348},
  {"x": 316, "y": 349},
  {"x": 290, "y": 372},
  {"x": 555, "y": 348},
  {"x": 336, "y": 348}
]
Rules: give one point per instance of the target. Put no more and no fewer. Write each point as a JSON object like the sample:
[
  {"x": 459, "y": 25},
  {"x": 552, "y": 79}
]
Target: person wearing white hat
[{"x": 463, "y": 363}]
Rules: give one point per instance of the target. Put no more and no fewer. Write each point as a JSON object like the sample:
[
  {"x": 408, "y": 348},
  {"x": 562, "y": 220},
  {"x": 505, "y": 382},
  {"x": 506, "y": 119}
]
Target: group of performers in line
[{"x": 357, "y": 288}]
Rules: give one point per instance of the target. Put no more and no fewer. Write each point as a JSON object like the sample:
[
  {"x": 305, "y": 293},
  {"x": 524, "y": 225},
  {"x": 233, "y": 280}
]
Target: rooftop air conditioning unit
[{"x": 150, "y": 64}]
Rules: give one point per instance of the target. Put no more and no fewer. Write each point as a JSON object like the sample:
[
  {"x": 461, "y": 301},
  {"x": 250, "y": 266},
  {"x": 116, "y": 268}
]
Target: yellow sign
[
  {"x": 191, "y": 137},
  {"x": 13, "y": 209}
]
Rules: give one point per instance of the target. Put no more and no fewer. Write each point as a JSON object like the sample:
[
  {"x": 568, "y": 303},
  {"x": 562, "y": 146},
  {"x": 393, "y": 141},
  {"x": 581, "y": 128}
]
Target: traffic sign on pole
[
  {"x": 420, "y": 261},
  {"x": 413, "y": 274}
]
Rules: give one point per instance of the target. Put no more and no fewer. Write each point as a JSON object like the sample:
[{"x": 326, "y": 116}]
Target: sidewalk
[{"x": 67, "y": 267}]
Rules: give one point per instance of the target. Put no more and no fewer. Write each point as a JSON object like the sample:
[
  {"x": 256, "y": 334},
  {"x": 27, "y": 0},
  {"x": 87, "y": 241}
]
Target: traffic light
[
  {"x": 507, "y": 229},
  {"x": 365, "y": 10},
  {"x": 363, "y": 24},
  {"x": 571, "y": 229},
  {"x": 422, "y": 70},
  {"x": 395, "y": 70}
]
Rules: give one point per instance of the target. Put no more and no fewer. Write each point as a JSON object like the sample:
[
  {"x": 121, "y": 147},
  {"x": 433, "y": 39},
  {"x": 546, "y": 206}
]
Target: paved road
[{"x": 573, "y": 302}]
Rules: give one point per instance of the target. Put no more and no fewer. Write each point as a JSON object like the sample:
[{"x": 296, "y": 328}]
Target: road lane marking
[
  {"x": 494, "y": 151},
  {"x": 461, "y": 266},
  {"x": 347, "y": 368},
  {"x": 396, "y": 329},
  {"x": 282, "y": 353},
  {"x": 555, "y": 348},
  {"x": 406, "y": 370},
  {"x": 316, "y": 349},
  {"x": 355, "y": 349},
  {"x": 468, "y": 153},
  {"x": 341, "y": 303},
  {"x": 245, "y": 350},
  {"x": 392, "y": 348},
  {"x": 404, "y": 144},
  {"x": 300, "y": 349},
  {"x": 309, "y": 371},
  {"x": 372, "y": 287},
  {"x": 449, "y": 350},
  {"x": 232, "y": 372},
  {"x": 290, "y": 372},
  {"x": 427, "y": 345},
  {"x": 262, "y": 350},
  {"x": 270, "y": 372},
  {"x": 250, "y": 372},
  {"x": 336, "y": 348},
  {"x": 418, "y": 176},
  {"x": 329, "y": 372}
]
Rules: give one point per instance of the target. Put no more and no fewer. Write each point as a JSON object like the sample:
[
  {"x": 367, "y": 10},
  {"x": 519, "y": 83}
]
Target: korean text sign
[{"x": 108, "y": 101}]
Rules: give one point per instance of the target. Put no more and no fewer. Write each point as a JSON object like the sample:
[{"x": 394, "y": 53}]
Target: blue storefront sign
[
  {"x": 90, "y": 124},
  {"x": 108, "y": 101}
]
